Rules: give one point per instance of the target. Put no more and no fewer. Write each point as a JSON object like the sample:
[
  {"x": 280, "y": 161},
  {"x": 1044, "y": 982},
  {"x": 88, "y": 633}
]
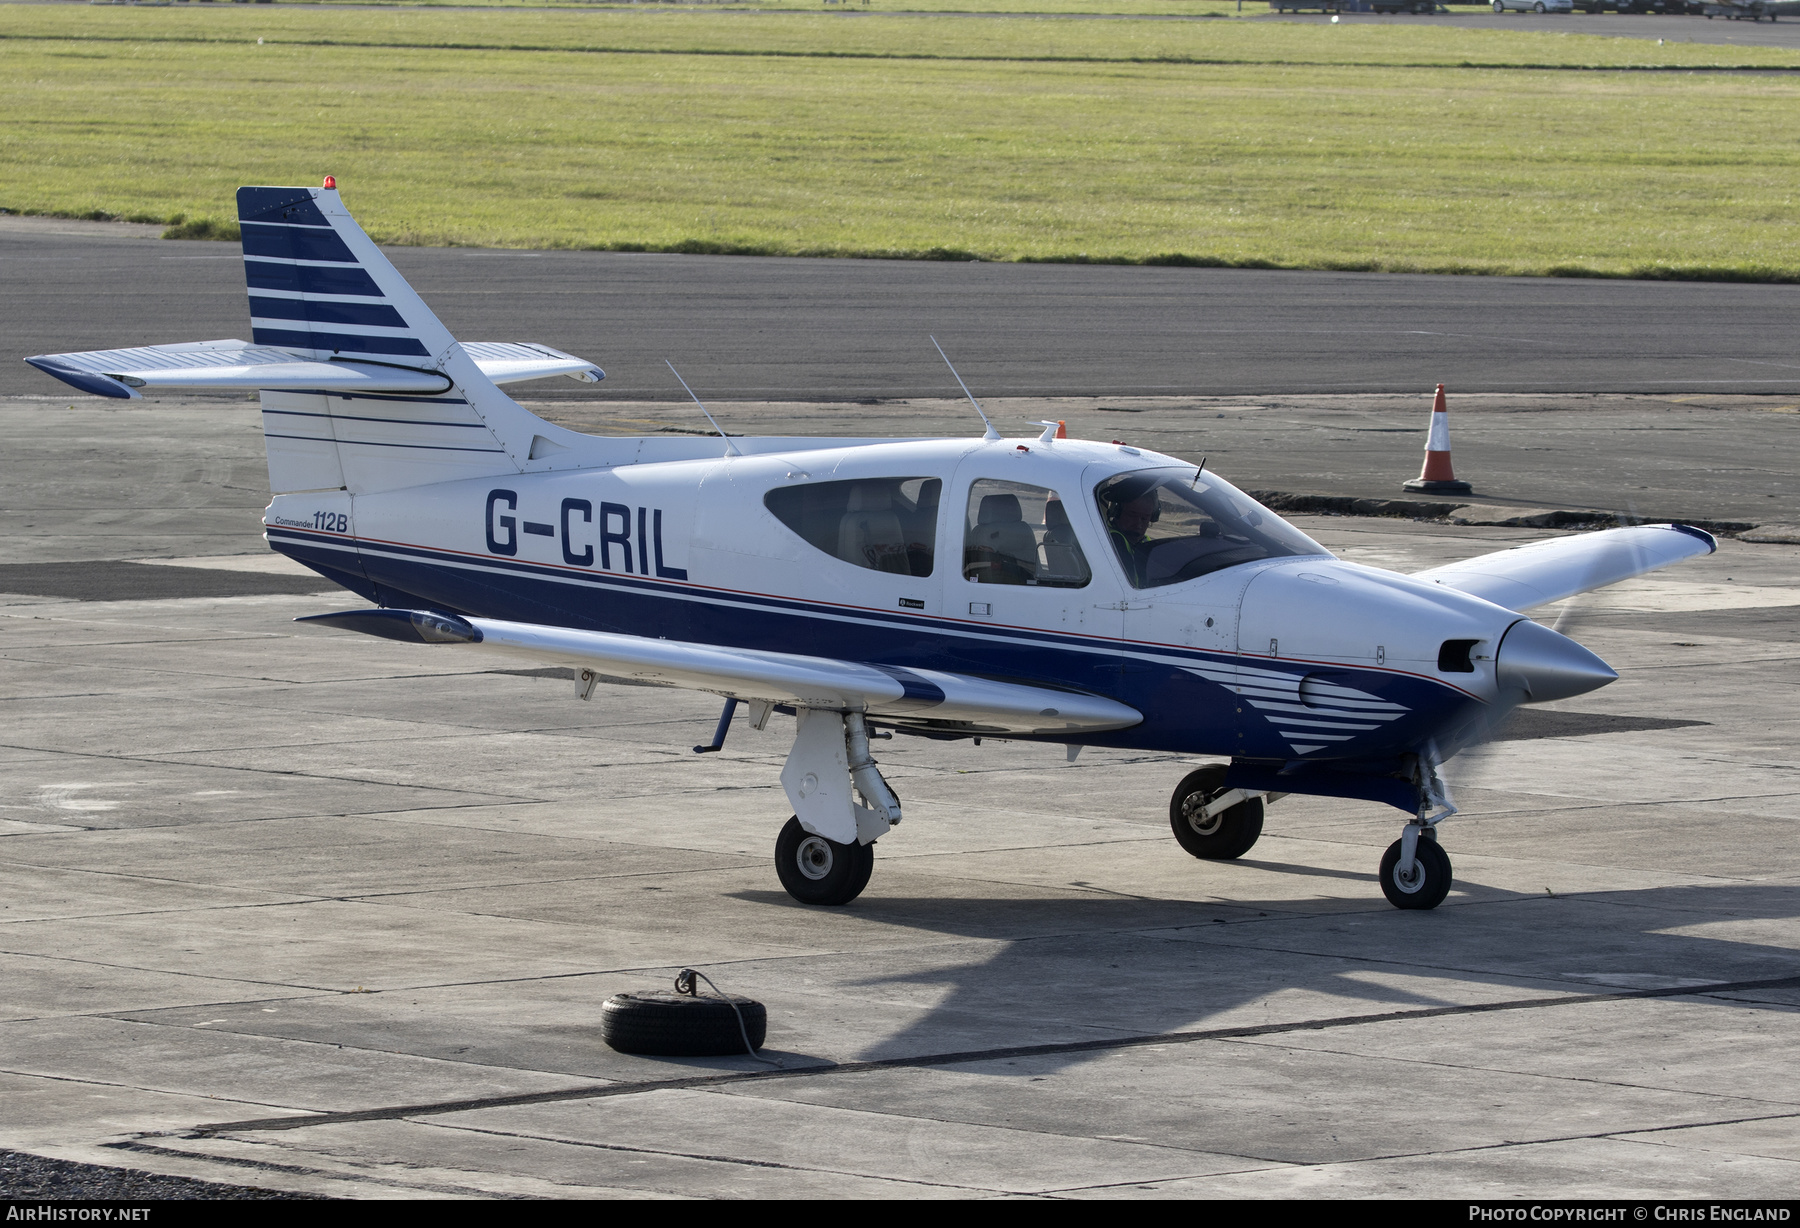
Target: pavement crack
[
  {"x": 301, "y": 1170},
  {"x": 706, "y": 1157},
  {"x": 964, "y": 1057}
]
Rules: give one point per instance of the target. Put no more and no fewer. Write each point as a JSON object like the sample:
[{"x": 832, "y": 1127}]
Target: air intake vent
[{"x": 1453, "y": 657}]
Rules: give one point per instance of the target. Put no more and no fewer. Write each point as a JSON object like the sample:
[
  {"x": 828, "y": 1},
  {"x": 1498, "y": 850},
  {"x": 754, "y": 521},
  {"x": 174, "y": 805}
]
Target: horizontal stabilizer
[
  {"x": 915, "y": 698},
  {"x": 240, "y": 366},
  {"x": 508, "y": 362},
  {"x": 1537, "y": 574}
]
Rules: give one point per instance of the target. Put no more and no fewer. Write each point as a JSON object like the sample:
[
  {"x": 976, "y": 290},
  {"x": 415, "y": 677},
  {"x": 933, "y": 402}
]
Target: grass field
[
  {"x": 1159, "y": 8},
  {"x": 1230, "y": 142}
]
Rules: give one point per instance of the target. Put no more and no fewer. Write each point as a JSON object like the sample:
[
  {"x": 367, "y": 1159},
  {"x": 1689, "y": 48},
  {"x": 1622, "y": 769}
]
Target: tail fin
[
  {"x": 320, "y": 289},
  {"x": 363, "y": 388},
  {"x": 319, "y": 285}
]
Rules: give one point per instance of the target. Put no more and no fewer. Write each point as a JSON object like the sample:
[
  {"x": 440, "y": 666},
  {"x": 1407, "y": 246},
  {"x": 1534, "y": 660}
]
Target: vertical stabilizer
[{"x": 319, "y": 287}]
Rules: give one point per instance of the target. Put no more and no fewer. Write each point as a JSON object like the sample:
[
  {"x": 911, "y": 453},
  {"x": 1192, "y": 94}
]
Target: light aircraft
[{"x": 1038, "y": 588}]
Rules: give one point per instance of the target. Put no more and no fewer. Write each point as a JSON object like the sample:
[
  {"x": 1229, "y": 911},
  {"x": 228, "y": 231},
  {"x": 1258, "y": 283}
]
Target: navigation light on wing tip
[{"x": 331, "y": 182}]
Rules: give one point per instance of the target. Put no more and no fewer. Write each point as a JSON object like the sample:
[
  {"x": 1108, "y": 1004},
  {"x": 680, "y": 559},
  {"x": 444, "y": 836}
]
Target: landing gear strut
[
  {"x": 842, "y": 806},
  {"x": 1415, "y": 870},
  {"x": 1208, "y": 821}
]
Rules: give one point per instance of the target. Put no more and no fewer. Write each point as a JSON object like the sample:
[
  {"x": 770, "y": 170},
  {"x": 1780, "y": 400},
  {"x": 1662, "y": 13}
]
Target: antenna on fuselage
[
  {"x": 991, "y": 432},
  {"x": 731, "y": 449}
]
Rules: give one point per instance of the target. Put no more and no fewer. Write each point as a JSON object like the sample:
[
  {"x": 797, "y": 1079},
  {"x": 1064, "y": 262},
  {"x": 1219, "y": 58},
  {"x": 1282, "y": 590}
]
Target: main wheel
[
  {"x": 1225, "y": 835},
  {"x": 1429, "y": 882},
  {"x": 819, "y": 871},
  {"x": 1499, "y": 6}
]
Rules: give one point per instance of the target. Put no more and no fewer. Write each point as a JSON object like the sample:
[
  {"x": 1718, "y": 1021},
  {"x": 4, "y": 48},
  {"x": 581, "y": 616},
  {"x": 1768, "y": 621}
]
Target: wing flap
[
  {"x": 1529, "y": 576},
  {"x": 916, "y": 698}
]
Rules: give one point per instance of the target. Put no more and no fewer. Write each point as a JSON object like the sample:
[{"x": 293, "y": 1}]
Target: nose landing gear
[
  {"x": 1218, "y": 824},
  {"x": 1426, "y": 882},
  {"x": 1415, "y": 870}
]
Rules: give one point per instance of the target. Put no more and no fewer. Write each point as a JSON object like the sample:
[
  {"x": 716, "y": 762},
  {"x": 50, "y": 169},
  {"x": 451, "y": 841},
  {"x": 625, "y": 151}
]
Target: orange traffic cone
[
  {"x": 1062, "y": 429},
  {"x": 1437, "y": 476}
]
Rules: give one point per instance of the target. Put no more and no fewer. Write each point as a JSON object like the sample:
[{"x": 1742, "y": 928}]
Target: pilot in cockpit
[{"x": 1131, "y": 507}]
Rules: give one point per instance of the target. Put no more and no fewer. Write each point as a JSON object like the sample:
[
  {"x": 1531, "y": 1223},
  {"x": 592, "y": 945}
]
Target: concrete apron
[{"x": 263, "y": 875}]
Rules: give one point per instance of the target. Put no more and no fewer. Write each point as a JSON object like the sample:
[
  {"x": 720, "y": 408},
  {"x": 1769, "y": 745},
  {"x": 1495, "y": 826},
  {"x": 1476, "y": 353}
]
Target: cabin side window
[
  {"x": 1019, "y": 534},
  {"x": 883, "y": 524}
]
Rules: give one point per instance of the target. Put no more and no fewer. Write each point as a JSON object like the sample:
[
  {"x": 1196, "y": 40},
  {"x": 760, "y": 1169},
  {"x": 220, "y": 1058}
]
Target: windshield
[{"x": 1170, "y": 525}]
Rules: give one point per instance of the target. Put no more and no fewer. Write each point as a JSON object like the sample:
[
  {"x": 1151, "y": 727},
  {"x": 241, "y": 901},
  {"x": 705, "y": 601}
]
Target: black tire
[
  {"x": 664, "y": 1024},
  {"x": 1432, "y": 875},
  {"x": 1538, "y": 7},
  {"x": 815, "y": 870},
  {"x": 1222, "y": 837}
]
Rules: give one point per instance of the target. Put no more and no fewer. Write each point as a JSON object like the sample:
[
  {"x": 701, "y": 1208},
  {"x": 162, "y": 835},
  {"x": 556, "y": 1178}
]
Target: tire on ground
[
  {"x": 815, "y": 870},
  {"x": 665, "y": 1024},
  {"x": 1431, "y": 883},
  {"x": 1225, "y": 836}
]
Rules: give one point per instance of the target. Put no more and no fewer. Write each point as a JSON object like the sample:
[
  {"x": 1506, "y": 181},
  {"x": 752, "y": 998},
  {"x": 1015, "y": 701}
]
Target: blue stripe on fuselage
[{"x": 1183, "y": 712}]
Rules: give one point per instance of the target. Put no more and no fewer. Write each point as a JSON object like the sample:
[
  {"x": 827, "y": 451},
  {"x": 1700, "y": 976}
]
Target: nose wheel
[
  {"x": 819, "y": 871},
  {"x": 1205, "y": 830},
  {"x": 1427, "y": 881}
]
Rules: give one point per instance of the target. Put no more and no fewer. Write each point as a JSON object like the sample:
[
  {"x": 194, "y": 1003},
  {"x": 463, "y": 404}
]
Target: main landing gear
[
  {"x": 816, "y": 870},
  {"x": 842, "y": 806},
  {"x": 1213, "y": 822}
]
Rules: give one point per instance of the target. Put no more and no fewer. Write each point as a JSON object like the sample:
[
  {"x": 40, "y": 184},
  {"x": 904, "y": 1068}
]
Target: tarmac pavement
[
  {"x": 314, "y": 912},
  {"x": 774, "y": 329}
]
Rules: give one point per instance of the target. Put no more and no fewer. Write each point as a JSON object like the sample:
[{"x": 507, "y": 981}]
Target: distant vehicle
[
  {"x": 1755, "y": 10},
  {"x": 1535, "y": 6},
  {"x": 1661, "y": 7},
  {"x": 1355, "y": 6}
]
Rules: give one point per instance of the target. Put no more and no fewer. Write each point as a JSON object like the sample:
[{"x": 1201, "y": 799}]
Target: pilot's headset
[{"x": 1130, "y": 490}]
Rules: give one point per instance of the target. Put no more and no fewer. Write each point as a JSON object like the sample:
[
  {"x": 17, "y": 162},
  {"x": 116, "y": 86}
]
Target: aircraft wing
[
  {"x": 240, "y": 366},
  {"x": 928, "y": 700},
  {"x": 1525, "y": 577}
]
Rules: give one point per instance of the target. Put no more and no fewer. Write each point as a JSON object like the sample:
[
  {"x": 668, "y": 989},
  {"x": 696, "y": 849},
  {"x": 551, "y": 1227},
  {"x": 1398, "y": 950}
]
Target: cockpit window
[
  {"x": 883, "y": 524},
  {"x": 1169, "y": 525}
]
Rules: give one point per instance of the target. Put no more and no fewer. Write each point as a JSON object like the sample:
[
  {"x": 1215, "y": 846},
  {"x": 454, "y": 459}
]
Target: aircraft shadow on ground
[{"x": 1085, "y": 970}]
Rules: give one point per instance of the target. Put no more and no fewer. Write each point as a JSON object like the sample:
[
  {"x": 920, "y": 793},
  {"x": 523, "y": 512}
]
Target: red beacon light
[{"x": 331, "y": 181}]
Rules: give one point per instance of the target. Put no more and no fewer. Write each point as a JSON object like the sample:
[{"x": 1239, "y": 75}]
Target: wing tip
[
  {"x": 87, "y": 381},
  {"x": 1712, "y": 543}
]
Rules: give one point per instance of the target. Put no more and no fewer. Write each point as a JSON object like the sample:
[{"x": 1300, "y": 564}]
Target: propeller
[{"x": 1535, "y": 663}]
